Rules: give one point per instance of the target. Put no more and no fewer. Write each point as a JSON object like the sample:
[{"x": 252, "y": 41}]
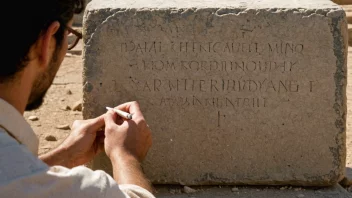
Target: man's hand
[
  {"x": 85, "y": 141},
  {"x": 127, "y": 137},
  {"x": 126, "y": 144}
]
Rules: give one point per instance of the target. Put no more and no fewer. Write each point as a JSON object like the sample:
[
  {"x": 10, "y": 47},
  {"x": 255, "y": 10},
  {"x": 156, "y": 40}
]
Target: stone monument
[{"x": 235, "y": 92}]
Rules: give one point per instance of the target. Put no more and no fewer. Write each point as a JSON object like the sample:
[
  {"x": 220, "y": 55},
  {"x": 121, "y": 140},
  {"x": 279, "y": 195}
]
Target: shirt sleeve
[
  {"x": 22, "y": 174},
  {"x": 93, "y": 183},
  {"x": 79, "y": 182}
]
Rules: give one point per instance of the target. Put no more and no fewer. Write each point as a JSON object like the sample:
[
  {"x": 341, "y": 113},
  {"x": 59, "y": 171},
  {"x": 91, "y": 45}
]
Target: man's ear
[{"x": 48, "y": 44}]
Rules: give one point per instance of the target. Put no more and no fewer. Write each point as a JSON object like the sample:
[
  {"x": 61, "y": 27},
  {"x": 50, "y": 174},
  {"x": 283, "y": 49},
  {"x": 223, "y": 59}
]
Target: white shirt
[{"x": 22, "y": 174}]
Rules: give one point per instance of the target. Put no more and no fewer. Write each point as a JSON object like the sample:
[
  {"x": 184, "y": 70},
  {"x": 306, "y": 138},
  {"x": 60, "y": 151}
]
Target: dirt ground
[{"x": 66, "y": 92}]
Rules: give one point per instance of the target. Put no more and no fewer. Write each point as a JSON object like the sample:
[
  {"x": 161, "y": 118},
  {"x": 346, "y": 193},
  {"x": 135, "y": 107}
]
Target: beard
[
  {"x": 36, "y": 103},
  {"x": 43, "y": 83}
]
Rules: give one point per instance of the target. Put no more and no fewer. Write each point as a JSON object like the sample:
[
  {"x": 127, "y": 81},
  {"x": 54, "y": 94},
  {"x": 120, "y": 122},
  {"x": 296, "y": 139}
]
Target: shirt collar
[{"x": 14, "y": 123}]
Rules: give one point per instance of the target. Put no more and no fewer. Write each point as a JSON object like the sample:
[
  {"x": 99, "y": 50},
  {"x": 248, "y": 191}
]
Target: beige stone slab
[
  {"x": 242, "y": 93},
  {"x": 255, "y": 192}
]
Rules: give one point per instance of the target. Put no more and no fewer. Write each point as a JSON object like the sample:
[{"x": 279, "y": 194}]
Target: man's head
[{"x": 30, "y": 34}]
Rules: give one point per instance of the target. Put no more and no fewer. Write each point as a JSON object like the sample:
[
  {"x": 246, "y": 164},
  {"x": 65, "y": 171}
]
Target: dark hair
[{"x": 30, "y": 19}]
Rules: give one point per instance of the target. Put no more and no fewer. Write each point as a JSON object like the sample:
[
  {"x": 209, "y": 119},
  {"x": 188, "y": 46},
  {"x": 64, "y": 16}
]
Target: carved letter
[
  {"x": 213, "y": 85},
  {"x": 157, "y": 84}
]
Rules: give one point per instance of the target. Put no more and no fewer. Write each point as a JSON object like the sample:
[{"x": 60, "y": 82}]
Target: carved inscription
[
  {"x": 216, "y": 74},
  {"x": 242, "y": 84},
  {"x": 214, "y": 102},
  {"x": 215, "y": 65},
  {"x": 209, "y": 47},
  {"x": 214, "y": 85}
]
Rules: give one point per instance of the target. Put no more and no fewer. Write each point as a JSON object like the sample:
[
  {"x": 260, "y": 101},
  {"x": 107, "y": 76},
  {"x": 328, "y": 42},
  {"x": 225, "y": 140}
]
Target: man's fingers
[
  {"x": 96, "y": 123},
  {"x": 125, "y": 106},
  {"x": 131, "y": 107},
  {"x": 110, "y": 118}
]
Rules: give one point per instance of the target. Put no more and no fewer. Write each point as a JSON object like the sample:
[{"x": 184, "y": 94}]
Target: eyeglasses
[{"x": 78, "y": 37}]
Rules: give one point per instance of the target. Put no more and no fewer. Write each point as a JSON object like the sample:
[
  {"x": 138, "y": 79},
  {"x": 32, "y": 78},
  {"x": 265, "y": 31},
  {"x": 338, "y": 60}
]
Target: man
[{"x": 36, "y": 43}]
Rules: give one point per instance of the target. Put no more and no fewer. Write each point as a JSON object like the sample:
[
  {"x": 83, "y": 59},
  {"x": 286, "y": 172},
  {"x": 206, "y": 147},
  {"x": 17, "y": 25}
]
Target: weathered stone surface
[{"x": 235, "y": 92}]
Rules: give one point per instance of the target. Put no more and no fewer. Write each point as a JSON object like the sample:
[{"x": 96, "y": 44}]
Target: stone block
[{"x": 235, "y": 92}]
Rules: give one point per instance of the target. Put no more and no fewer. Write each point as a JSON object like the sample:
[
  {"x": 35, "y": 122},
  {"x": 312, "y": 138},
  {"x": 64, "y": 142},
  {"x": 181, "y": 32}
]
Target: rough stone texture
[
  {"x": 335, "y": 191},
  {"x": 235, "y": 92}
]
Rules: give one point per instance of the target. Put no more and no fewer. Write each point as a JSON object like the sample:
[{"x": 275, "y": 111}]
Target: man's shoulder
[{"x": 16, "y": 160}]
